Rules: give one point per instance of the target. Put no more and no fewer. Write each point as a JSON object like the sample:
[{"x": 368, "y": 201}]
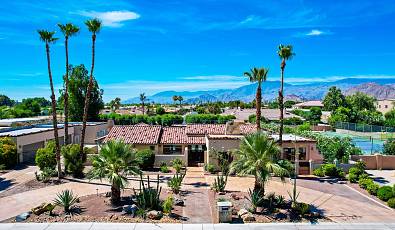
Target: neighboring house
[
  {"x": 385, "y": 106},
  {"x": 268, "y": 114},
  {"x": 308, "y": 105},
  {"x": 193, "y": 142},
  {"x": 29, "y": 139}
]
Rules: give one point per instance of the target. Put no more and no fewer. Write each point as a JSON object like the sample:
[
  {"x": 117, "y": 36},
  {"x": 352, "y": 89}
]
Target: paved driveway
[
  {"x": 383, "y": 177},
  {"x": 18, "y": 176}
]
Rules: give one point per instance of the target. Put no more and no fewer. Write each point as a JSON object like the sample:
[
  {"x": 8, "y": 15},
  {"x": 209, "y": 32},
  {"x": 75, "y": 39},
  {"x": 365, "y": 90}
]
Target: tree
[
  {"x": 47, "y": 38},
  {"x": 115, "y": 104},
  {"x": 285, "y": 52},
  {"x": 6, "y": 101},
  {"x": 175, "y": 98},
  {"x": 180, "y": 99},
  {"x": 257, "y": 155},
  {"x": 360, "y": 101},
  {"x": 315, "y": 115},
  {"x": 94, "y": 26},
  {"x": 334, "y": 99},
  {"x": 68, "y": 30},
  {"x": 258, "y": 75},
  {"x": 143, "y": 98},
  {"x": 78, "y": 84},
  {"x": 115, "y": 162},
  {"x": 389, "y": 147}
]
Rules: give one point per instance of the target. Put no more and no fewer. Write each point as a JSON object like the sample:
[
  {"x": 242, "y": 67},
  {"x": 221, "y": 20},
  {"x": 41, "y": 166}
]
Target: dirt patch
[{"x": 28, "y": 186}]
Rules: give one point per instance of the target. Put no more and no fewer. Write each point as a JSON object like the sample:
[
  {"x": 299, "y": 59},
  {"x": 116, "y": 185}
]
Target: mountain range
[{"x": 380, "y": 88}]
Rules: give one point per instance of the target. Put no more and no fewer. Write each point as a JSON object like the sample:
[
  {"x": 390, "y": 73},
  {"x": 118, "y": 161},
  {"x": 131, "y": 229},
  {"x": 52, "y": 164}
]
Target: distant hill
[{"x": 379, "y": 88}]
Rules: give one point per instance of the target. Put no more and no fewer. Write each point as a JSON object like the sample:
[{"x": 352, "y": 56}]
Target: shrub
[
  {"x": 220, "y": 183},
  {"x": 175, "y": 183},
  {"x": 332, "y": 171},
  {"x": 167, "y": 205},
  {"x": 302, "y": 208},
  {"x": 365, "y": 182},
  {"x": 164, "y": 169},
  {"x": 352, "y": 177},
  {"x": 373, "y": 188},
  {"x": 145, "y": 159},
  {"x": 177, "y": 164},
  {"x": 72, "y": 161},
  {"x": 46, "y": 157},
  {"x": 256, "y": 198},
  {"x": 8, "y": 153},
  {"x": 391, "y": 203},
  {"x": 385, "y": 193},
  {"x": 286, "y": 164},
  {"x": 46, "y": 174},
  {"x": 66, "y": 199},
  {"x": 318, "y": 172},
  {"x": 209, "y": 168},
  {"x": 148, "y": 197}
]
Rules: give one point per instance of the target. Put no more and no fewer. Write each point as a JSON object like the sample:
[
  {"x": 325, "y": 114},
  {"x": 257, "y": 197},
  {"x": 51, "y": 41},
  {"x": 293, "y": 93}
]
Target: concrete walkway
[
  {"x": 146, "y": 226},
  {"x": 197, "y": 205},
  {"x": 18, "y": 176}
]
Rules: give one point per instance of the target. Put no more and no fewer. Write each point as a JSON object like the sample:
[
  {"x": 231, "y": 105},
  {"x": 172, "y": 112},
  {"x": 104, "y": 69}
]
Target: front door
[{"x": 196, "y": 154}]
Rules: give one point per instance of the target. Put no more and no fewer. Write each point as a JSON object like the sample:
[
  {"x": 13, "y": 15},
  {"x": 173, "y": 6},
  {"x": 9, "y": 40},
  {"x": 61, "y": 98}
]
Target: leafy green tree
[
  {"x": 47, "y": 38},
  {"x": 285, "y": 52},
  {"x": 360, "y": 101},
  {"x": 94, "y": 26},
  {"x": 115, "y": 162},
  {"x": 389, "y": 147},
  {"x": 8, "y": 152},
  {"x": 160, "y": 110},
  {"x": 315, "y": 115},
  {"x": 334, "y": 99},
  {"x": 6, "y": 101},
  {"x": 46, "y": 157},
  {"x": 68, "y": 31},
  {"x": 258, "y": 75},
  {"x": 257, "y": 156}
]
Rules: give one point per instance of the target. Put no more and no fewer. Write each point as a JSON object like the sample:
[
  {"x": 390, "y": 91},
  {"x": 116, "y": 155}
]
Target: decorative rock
[
  {"x": 242, "y": 212},
  {"x": 22, "y": 217},
  {"x": 44, "y": 207},
  {"x": 235, "y": 197},
  {"x": 221, "y": 193},
  {"x": 315, "y": 214},
  {"x": 248, "y": 217},
  {"x": 178, "y": 201},
  {"x": 108, "y": 194},
  {"x": 130, "y": 209},
  {"x": 154, "y": 215}
]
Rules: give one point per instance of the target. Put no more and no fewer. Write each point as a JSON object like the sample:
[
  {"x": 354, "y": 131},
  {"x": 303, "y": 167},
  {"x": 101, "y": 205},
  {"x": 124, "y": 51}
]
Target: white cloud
[
  {"x": 315, "y": 33},
  {"x": 111, "y": 18}
]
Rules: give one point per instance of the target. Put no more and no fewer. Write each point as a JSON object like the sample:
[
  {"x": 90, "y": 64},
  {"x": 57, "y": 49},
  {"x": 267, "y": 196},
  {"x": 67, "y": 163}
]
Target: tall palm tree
[
  {"x": 68, "y": 31},
  {"x": 94, "y": 26},
  {"x": 285, "y": 52},
  {"x": 115, "y": 162},
  {"x": 115, "y": 104},
  {"x": 258, "y": 75},
  {"x": 48, "y": 38},
  {"x": 143, "y": 98},
  {"x": 175, "y": 98},
  {"x": 180, "y": 99},
  {"x": 257, "y": 155}
]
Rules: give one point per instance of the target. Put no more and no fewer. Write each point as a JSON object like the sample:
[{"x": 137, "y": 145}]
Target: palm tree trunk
[
  {"x": 66, "y": 96},
  {"x": 115, "y": 194},
  {"x": 142, "y": 105},
  {"x": 281, "y": 103},
  {"x": 258, "y": 107},
  {"x": 87, "y": 98},
  {"x": 54, "y": 118},
  {"x": 258, "y": 186}
]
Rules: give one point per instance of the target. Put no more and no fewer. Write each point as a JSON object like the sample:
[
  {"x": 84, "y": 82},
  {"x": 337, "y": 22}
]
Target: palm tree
[
  {"x": 175, "y": 98},
  {"x": 257, "y": 155},
  {"x": 94, "y": 26},
  {"x": 47, "y": 38},
  {"x": 115, "y": 104},
  {"x": 180, "y": 99},
  {"x": 285, "y": 52},
  {"x": 258, "y": 75},
  {"x": 143, "y": 98},
  {"x": 68, "y": 30},
  {"x": 115, "y": 162}
]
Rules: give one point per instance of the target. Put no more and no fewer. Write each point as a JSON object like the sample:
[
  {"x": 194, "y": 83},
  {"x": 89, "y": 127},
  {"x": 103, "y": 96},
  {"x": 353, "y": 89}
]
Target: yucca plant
[
  {"x": 175, "y": 183},
  {"x": 148, "y": 197},
  {"x": 66, "y": 199},
  {"x": 220, "y": 183},
  {"x": 256, "y": 198}
]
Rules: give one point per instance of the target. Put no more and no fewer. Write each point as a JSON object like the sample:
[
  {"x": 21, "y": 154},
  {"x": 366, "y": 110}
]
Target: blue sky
[{"x": 151, "y": 46}]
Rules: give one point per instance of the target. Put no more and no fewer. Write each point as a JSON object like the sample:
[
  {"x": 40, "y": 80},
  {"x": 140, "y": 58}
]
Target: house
[
  {"x": 268, "y": 114},
  {"x": 194, "y": 143},
  {"x": 29, "y": 139},
  {"x": 386, "y": 105},
  {"x": 308, "y": 105}
]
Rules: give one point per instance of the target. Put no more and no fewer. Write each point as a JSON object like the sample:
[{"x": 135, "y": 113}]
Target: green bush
[
  {"x": 167, "y": 205},
  {"x": 209, "y": 168},
  {"x": 385, "y": 193},
  {"x": 332, "y": 171},
  {"x": 177, "y": 164},
  {"x": 318, "y": 172},
  {"x": 365, "y": 182},
  {"x": 286, "y": 164},
  {"x": 8, "y": 152},
  {"x": 72, "y": 161},
  {"x": 175, "y": 183},
  {"x": 302, "y": 208},
  {"x": 373, "y": 188},
  {"x": 353, "y": 178},
  {"x": 145, "y": 158},
  {"x": 46, "y": 157},
  {"x": 164, "y": 169},
  {"x": 391, "y": 203}
]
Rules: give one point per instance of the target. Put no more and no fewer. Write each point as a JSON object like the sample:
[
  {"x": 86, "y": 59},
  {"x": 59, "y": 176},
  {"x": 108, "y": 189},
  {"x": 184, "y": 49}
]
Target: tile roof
[
  {"x": 135, "y": 134},
  {"x": 178, "y": 135},
  {"x": 247, "y": 129},
  {"x": 202, "y": 129}
]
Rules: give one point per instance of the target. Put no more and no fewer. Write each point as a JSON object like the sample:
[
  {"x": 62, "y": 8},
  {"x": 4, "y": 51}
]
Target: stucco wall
[{"x": 376, "y": 161}]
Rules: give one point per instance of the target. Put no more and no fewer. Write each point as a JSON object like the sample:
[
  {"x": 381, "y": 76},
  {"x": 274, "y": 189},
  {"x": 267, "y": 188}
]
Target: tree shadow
[
  {"x": 5, "y": 184},
  {"x": 198, "y": 184}
]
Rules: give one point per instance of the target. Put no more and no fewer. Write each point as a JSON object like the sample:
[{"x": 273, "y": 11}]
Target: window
[
  {"x": 289, "y": 153},
  {"x": 152, "y": 147},
  {"x": 302, "y": 153},
  {"x": 386, "y": 106},
  {"x": 172, "y": 149}
]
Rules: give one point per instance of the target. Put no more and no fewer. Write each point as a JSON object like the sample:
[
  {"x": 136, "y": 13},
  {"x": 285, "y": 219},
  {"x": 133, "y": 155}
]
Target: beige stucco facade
[{"x": 385, "y": 106}]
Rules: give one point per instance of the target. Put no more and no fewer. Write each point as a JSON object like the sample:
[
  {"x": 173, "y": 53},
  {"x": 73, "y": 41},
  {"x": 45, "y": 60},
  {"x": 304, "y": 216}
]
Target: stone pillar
[
  {"x": 379, "y": 161},
  {"x": 186, "y": 155},
  {"x": 311, "y": 167}
]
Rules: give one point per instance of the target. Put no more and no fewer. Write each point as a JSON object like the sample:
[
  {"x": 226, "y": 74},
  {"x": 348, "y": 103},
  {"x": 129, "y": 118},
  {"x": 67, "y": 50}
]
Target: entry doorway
[{"x": 196, "y": 154}]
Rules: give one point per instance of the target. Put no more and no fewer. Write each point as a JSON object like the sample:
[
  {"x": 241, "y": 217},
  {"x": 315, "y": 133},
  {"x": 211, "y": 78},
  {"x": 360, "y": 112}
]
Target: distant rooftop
[{"x": 309, "y": 104}]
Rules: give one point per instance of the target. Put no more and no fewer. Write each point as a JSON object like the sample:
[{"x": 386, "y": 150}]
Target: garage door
[{"x": 29, "y": 152}]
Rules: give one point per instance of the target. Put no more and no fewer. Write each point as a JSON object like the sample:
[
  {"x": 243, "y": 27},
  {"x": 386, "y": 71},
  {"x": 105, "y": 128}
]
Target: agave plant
[
  {"x": 148, "y": 197},
  {"x": 256, "y": 198},
  {"x": 66, "y": 199}
]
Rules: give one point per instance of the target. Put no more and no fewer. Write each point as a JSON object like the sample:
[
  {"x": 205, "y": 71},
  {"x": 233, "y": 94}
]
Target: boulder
[
  {"x": 154, "y": 215},
  {"x": 235, "y": 197},
  {"x": 22, "y": 217},
  {"x": 44, "y": 207},
  {"x": 178, "y": 201},
  {"x": 248, "y": 217},
  {"x": 130, "y": 209},
  {"x": 242, "y": 212}
]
